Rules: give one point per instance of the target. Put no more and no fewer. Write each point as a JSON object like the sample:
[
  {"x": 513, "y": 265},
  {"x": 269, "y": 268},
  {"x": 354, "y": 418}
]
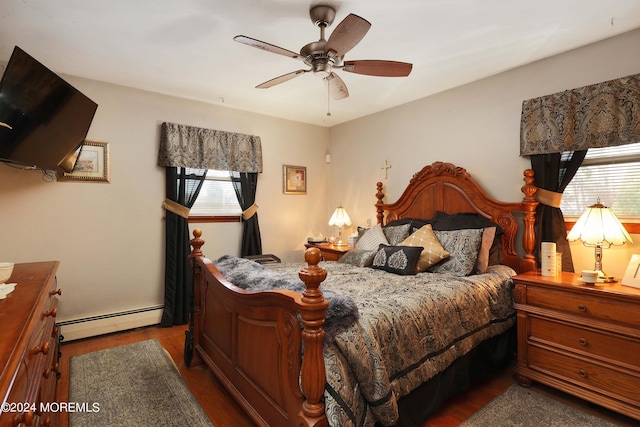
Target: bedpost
[
  {"x": 191, "y": 335},
  {"x": 313, "y": 309},
  {"x": 529, "y": 205},
  {"x": 379, "y": 203}
]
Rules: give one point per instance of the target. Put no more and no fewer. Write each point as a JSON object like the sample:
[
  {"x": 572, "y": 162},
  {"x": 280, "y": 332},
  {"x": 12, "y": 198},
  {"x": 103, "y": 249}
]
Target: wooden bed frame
[{"x": 252, "y": 341}]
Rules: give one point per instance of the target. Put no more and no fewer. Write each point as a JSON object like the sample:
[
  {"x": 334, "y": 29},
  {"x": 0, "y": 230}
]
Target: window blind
[{"x": 611, "y": 174}]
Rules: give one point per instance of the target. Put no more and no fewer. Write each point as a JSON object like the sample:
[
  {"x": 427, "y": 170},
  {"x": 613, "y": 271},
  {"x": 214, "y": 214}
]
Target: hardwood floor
[{"x": 225, "y": 412}]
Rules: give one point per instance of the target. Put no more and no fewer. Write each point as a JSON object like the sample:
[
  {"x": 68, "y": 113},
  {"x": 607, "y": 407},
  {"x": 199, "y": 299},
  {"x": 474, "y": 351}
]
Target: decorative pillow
[
  {"x": 397, "y": 259},
  {"x": 396, "y": 233},
  {"x": 433, "y": 251},
  {"x": 485, "y": 247},
  {"x": 443, "y": 221},
  {"x": 463, "y": 245},
  {"x": 372, "y": 239},
  {"x": 358, "y": 257},
  {"x": 416, "y": 223}
]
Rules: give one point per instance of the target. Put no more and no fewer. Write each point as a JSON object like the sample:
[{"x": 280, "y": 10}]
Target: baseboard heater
[{"x": 107, "y": 323}]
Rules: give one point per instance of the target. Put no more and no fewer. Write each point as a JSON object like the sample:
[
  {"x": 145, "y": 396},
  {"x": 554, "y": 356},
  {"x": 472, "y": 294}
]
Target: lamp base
[
  {"x": 340, "y": 243},
  {"x": 606, "y": 278}
]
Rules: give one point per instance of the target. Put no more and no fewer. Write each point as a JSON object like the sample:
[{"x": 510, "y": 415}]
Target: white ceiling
[{"x": 185, "y": 47}]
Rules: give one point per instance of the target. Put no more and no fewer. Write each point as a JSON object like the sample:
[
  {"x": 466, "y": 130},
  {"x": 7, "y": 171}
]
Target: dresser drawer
[
  {"x": 587, "y": 306},
  {"x": 609, "y": 347},
  {"x": 619, "y": 384}
]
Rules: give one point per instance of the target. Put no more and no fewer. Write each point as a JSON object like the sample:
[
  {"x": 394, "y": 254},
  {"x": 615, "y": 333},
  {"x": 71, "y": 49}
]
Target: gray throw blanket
[{"x": 246, "y": 274}]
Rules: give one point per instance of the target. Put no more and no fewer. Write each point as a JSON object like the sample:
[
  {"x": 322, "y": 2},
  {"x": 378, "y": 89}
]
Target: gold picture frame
[
  {"x": 294, "y": 179},
  {"x": 632, "y": 273},
  {"x": 92, "y": 164}
]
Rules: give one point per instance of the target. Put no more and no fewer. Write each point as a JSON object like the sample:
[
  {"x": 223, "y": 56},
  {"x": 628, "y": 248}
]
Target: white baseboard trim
[{"x": 99, "y": 325}]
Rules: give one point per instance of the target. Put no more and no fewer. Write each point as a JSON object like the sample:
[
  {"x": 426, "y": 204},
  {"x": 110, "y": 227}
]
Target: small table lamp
[
  {"x": 340, "y": 218},
  {"x": 599, "y": 227}
]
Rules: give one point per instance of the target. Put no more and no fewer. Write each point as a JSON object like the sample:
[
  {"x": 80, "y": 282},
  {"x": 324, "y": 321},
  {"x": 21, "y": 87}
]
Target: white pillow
[{"x": 371, "y": 239}]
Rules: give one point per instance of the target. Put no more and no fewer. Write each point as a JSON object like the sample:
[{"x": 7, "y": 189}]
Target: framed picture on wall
[
  {"x": 294, "y": 179},
  {"x": 632, "y": 274},
  {"x": 92, "y": 164}
]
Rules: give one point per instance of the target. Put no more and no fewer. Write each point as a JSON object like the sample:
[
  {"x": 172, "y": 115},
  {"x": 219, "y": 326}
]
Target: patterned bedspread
[{"x": 410, "y": 329}]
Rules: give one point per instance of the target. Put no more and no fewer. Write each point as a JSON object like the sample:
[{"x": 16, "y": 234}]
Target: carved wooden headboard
[{"x": 449, "y": 188}]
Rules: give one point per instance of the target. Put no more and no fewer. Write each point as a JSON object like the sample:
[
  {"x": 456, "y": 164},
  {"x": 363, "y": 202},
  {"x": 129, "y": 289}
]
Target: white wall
[
  {"x": 109, "y": 238},
  {"x": 476, "y": 126}
]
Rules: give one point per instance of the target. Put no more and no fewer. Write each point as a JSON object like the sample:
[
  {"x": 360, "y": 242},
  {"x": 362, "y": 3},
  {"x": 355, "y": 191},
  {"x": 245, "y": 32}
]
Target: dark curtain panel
[
  {"x": 246, "y": 184},
  {"x": 183, "y": 186},
  {"x": 553, "y": 174}
]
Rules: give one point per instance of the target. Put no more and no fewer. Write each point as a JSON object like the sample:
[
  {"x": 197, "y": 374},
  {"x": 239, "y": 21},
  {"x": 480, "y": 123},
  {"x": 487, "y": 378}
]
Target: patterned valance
[
  {"x": 193, "y": 147},
  {"x": 601, "y": 115}
]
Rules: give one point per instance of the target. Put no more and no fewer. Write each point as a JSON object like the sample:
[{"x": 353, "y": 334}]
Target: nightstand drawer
[
  {"x": 612, "y": 348},
  {"x": 619, "y": 384},
  {"x": 587, "y": 306}
]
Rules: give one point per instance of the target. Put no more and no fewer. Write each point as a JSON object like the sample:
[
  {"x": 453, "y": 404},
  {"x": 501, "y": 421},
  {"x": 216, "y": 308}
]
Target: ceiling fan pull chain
[{"x": 328, "y": 98}]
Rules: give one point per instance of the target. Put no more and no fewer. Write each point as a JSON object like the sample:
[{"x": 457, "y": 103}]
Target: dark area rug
[
  {"x": 131, "y": 385},
  {"x": 522, "y": 407}
]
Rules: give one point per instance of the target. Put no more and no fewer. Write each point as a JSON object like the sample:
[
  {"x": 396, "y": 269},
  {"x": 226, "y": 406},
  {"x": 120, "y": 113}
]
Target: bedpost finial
[
  {"x": 313, "y": 256},
  {"x": 196, "y": 243}
]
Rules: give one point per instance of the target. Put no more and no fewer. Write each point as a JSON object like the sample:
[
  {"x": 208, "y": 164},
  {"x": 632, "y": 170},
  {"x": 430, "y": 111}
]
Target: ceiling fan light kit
[{"x": 323, "y": 56}]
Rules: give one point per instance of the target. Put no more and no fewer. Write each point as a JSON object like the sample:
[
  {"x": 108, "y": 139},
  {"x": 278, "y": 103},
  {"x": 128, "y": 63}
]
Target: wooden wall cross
[{"x": 386, "y": 167}]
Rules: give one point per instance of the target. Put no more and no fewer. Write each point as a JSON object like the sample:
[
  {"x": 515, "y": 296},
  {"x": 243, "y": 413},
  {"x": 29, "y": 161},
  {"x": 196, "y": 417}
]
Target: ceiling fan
[{"x": 324, "y": 56}]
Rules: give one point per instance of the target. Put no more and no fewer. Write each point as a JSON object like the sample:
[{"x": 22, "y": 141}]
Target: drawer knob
[
  {"x": 56, "y": 292},
  {"x": 51, "y": 313},
  {"x": 25, "y": 418},
  {"x": 582, "y": 373},
  {"x": 582, "y": 341},
  {"x": 582, "y": 308},
  {"x": 44, "y": 348}
]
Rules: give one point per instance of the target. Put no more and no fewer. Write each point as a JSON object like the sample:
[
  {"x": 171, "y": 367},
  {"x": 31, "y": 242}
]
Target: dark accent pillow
[
  {"x": 358, "y": 257},
  {"x": 401, "y": 260},
  {"x": 416, "y": 223},
  {"x": 443, "y": 221}
]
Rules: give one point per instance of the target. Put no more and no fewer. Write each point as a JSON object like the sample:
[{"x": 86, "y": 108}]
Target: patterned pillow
[
  {"x": 358, "y": 257},
  {"x": 397, "y": 259},
  {"x": 463, "y": 245},
  {"x": 372, "y": 239},
  {"x": 465, "y": 220},
  {"x": 433, "y": 251},
  {"x": 396, "y": 234}
]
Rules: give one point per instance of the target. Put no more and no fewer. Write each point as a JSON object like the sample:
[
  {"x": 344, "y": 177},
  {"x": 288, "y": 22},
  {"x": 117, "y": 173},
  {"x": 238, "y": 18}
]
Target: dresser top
[{"x": 572, "y": 282}]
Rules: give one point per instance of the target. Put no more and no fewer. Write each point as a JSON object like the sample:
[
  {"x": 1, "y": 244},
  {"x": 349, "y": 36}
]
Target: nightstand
[
  {"x": 329, "y": 251},
  {"x": 581, "y": 339}
]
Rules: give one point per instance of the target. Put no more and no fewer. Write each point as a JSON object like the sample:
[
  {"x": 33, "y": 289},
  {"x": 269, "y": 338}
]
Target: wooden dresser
[
  {"x": 582, "y": 339},
  {"x": 29, "y": 347}
]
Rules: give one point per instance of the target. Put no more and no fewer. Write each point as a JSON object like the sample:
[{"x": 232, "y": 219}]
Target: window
[
  {"x": 611, "y": 174},
  {"x": 217, "y": 198}
]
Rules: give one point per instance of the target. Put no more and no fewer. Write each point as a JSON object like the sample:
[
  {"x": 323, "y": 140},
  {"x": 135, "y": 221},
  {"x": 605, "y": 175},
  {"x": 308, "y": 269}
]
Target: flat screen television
[{"x": 43, "y": 119}]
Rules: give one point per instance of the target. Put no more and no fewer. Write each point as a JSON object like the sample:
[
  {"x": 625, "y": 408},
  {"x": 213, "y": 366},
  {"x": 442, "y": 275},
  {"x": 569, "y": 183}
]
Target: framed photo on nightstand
[{"x": 632, "y": 274}]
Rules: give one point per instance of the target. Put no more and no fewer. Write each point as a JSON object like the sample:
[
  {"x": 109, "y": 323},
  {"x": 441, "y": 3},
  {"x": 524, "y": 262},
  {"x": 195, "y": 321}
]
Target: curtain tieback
[
  {"x": 249, "y": 212},
  {"x": 549, "y": 198},
  {"x": 176, "y": 208}
]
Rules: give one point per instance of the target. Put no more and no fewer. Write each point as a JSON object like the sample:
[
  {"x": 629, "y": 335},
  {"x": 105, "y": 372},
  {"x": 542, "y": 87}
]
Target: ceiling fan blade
[
  {"x": 378, "y": 68},
  {"x": 267, "y": 47},
  {"x": 337, "y": 88},
  {"x": 281, "y": 79},
  {"x": 347, "y": 34}
]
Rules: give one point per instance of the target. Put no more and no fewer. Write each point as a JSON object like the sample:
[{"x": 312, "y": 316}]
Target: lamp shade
[
  {"x": 340, "y": 218},
  {"x": 598, "y": 226}
]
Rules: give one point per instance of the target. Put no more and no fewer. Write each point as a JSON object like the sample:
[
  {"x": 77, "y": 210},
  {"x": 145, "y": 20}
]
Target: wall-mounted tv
[{"x": 43, "y": 119}]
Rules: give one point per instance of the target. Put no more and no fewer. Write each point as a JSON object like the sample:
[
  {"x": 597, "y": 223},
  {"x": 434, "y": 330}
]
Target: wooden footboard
[{"x": 252, "y": 341}]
